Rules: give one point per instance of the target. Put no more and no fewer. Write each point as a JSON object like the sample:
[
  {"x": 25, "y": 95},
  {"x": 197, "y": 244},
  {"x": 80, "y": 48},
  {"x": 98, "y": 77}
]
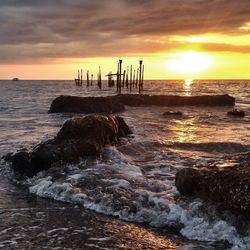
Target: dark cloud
[{"x": 77, "y": 28}]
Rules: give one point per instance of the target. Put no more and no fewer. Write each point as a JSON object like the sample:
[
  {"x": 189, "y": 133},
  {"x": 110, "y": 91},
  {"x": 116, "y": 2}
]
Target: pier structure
[{"x": 130, "y": 78}]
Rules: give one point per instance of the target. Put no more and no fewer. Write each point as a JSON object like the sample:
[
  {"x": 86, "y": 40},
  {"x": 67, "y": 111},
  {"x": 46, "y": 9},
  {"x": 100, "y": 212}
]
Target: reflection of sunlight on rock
[
  {"x": 185, "y": 130},
  {"x": 187, "y": 86}
]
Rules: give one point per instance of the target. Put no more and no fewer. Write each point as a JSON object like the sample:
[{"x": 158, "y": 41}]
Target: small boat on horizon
[{"x": 15, "y": 79}]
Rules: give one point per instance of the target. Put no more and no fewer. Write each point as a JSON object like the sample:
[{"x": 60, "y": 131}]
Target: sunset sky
[{"x": 45, "y": 39}]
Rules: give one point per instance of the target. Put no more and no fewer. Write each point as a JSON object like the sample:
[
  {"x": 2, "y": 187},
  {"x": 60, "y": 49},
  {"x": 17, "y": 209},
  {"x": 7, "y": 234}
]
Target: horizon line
[{"x": 167, "y": 79}]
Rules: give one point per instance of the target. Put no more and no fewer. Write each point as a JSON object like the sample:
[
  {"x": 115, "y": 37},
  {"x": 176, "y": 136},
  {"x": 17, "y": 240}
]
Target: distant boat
[{"x": 15, "y": 79}]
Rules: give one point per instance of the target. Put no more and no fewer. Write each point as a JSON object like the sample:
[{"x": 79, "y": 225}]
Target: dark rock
[
  {"x": 7, "y": 157},
  {"x": 112, "y": 104},
  {"x": 187, "y": 181},
  {"x": 171, "y": 100},
  {"x": 74, "y": 104},
  {"x": 229, "y": 185},
  {"x": 172, "y": 113},
  {"x": 236, "y": 112},
  {"x": 21, "y": 162},
  {"x": 79, "y": 137}
]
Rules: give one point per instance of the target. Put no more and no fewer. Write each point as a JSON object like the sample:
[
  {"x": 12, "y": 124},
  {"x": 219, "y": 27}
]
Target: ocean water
[{"x": 126, "y": 199}]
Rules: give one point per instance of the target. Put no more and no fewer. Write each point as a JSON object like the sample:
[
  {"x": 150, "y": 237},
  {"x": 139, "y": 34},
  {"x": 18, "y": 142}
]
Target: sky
[{"x": 176, "y": 39}]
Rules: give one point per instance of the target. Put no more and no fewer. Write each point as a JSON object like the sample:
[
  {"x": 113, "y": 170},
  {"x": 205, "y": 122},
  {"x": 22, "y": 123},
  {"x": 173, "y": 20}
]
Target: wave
[{"x": 119, "y": 187}]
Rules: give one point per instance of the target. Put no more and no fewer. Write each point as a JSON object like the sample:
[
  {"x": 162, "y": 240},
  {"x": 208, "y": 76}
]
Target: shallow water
[{"x": 133, "y": 181}]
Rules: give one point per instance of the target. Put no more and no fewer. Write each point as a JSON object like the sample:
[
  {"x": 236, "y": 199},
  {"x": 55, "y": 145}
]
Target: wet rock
[
  {"x": 75, "y": 104},
  {"x": 236, "y": 112},
  {"x": 21, "y": 160},
  {"x": 230, "y": 185},
  {"x": 172, "y": 113},
  {"x": 171, "y": 100},
  {"x": 187, "y": 181},
  {"x": 7, "y": 157},
  {"x": 112, "y": 104},
  {"x": 79, "y": 137}
]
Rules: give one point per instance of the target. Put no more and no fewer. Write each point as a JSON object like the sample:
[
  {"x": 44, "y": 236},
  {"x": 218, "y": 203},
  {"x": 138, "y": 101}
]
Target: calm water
[{"x": 133, "y": 182}]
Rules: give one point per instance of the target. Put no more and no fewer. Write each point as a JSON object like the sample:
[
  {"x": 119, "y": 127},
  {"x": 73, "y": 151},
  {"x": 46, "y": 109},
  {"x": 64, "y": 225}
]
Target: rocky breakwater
[
  {"x": 112, "y": 104},
  {"x": 226, "y": 183},
  {"x": 79, "y": 137},
  {"x": 87, "y": 105}
]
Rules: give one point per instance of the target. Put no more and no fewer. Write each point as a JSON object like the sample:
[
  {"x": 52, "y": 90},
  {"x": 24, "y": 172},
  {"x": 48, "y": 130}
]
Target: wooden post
[
  {"x": 134, "y": 79},
  {"x": 142, "y": 80},
  {"x": 137, "y": 75},
  {"x": 117, "y": 79},
  {"x": 76, "y": 81},
  {"x": 140, "y": 77},
  {"x": 123, "y": 80},
  {"x": 120, "y": 76},
  {"x": 81, "y": 78},
  {"x": 91, "y": 82},
  {"x": 127, "y": 77},
  {"x": 78, "y": 78},
  {"x": 131, "y": 76},
  {"x": 87, "y": 78},
  {"x": 100, "y": 78}
]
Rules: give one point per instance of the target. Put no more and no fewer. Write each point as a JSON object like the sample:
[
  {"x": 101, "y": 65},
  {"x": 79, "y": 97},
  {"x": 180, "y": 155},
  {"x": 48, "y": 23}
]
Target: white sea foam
[{"x": 119, "y": 188}]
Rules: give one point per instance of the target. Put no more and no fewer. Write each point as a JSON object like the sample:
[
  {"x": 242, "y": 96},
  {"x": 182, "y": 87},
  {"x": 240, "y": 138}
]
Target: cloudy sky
[{"x": 46, "y": 39}]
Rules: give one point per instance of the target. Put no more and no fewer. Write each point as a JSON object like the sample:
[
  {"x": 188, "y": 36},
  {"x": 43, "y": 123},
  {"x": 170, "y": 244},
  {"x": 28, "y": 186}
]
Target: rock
[
  {"x": 187, "y": 181},
  {"x": 236, "y": 112},
  {"x": 172, "y": 113},
  {"x": 74, "y": 104},
  {"x": 171, "y": 100},
  {"x": 79, "y": 137},
  {"x": 21, "y": 160},
  {"x": 112, "y": 104},
  {"x": 230, "y": 185},
  {"x": 7, "y": 157}
]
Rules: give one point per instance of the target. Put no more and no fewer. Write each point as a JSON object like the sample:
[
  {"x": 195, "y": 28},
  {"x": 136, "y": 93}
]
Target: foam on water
[{"x": 120, "y": 188}]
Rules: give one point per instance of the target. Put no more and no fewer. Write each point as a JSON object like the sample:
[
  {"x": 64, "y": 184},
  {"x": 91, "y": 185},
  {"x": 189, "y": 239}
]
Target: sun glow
[
  {"x": 190, "y": 62},
  {"x": 188, "y": 82}
]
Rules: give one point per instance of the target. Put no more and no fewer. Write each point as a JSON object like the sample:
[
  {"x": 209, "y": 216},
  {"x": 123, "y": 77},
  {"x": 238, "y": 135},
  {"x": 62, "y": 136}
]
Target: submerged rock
[
  {"x": 79, "y": 137},
  {"x": 112, "y": 104},
  {"x": 229, "y": 185},
  {"x": 236, "y": 112},
  {"x": 172, "y": 113}
]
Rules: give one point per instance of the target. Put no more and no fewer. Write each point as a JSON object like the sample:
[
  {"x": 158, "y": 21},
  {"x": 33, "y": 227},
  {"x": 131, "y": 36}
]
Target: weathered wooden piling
[
  {"x": 117, "y": 78},
  {"x": 78, "y": 80},
  {"x": 134, "y": 79},
  {"x": 123, "y": 80},
  {"x": 142, "y": 80},
  {"x": 99, "y": 81},
  {"x": 137, "y": 75},
  {"x": 127, "y": 83},
  {"x": 140, "y": 77},
  {"x": 81, "y": 78},
  {"x": 91, "y": 82},
  {"x": 120, "y": 76},
  {"x": 87, "y": 78},
  {"x": 131, "y": 78}
]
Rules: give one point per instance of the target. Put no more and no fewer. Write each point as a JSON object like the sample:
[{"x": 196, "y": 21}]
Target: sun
[{"x": 190, "y": 62}]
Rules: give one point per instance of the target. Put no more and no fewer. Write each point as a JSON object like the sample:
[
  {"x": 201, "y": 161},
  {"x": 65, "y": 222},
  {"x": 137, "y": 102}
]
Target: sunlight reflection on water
[
  {"x": 187, "y": 87},
  {"x": 185, "y": 131}
]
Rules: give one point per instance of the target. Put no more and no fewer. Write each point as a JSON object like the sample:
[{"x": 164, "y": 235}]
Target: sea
[{"x": 126, "y": 198}]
